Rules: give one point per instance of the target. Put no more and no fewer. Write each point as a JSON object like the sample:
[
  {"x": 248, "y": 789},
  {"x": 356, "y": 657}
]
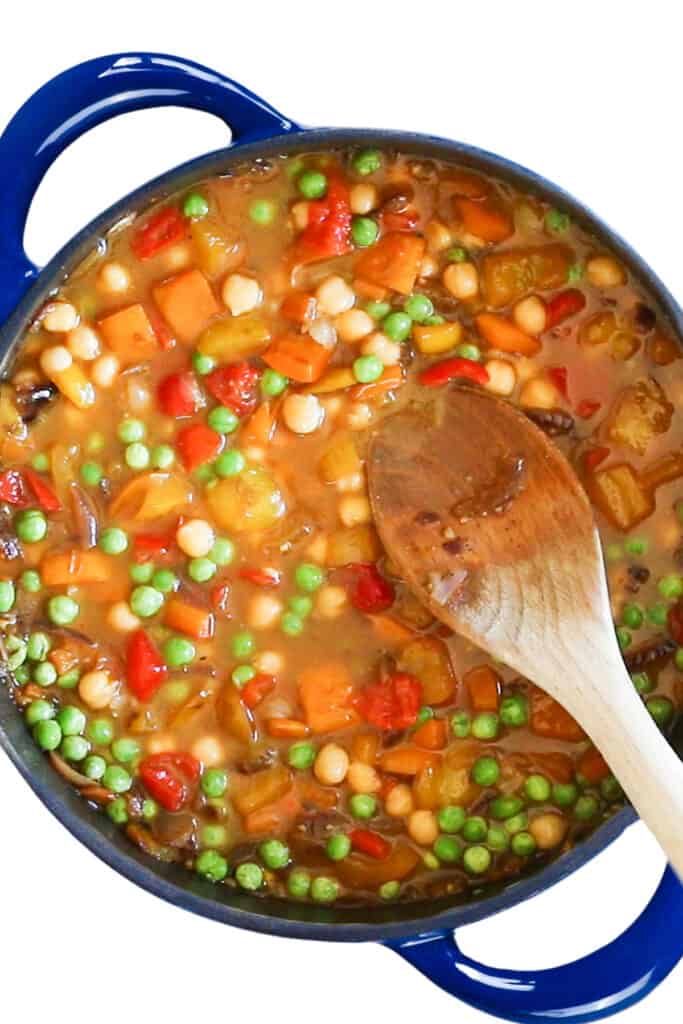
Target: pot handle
[
  {"x": 81, "y": 98},
  {"x": 597, "y": 986}
]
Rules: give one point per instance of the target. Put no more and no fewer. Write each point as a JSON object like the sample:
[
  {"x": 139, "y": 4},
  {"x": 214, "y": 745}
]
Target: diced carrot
[
  {"x": 406, "y": 760},
  {"x": 393, "y": 262},
  {"x": 549, "y": 719},
  {"x": 365, "y": 747},
  {"x": 186, "y": 303},
  {"x": 252, "y": 792},
  {"x": 189, "y": 619},
  {"x": 287, "y": 728},
  {"x": 503, "y": 335},
  {"x": 259, "y": 428},
  {"x": 73, "y": 568},
  {"x": 432, "y": 735},
  {"x": 298, "y": 307},
  {"x": 366, "y": 290},
  {"x": 392, "y": 378},
  {"x": 483, "y": 686},
  {"x": 300, "y": 358},
  {"x": 130, "y": 335},
  {"x": 593, "y": 766},
  {"x": 390, "y": 631},
  {"x": 484, "y": 220},
  {"x": 326, "y": 692}
]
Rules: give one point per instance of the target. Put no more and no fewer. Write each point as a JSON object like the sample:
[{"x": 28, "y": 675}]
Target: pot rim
[{"x": 101, "y": 837}]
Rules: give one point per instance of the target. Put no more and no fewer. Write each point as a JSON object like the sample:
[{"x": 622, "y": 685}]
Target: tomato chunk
[
  {"x": 562, "y": 306},
  {"x": 145, "y": 668},
  {"x": 235, "y": 386},
  {"x": 179, "y": 394},
  {"x": 391, "y": 703},
  {"x": 369, "y": 591},
  {"x": 328, "y": 232},
  {"x": 170, "y": 778},
  {"x": 12, "y": 487},
  {"x": 198, "y": 444},
  {"x": 162, "y": 229}
]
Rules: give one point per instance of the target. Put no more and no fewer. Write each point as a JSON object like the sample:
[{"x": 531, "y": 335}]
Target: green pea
[
  {"x": 486, "y": 771},
  {"x": 338, "y": 846},
  {"x": 125, "y": 749},
  {"x": 324, "y": 890},
  {"x": 162, "y": 456},
  {"x": 308, "y": 577},
  {"x": 575, "y": 273},
  {"x": 364, "y": 231},
  {"x": 301, "y": 755},
  {"x": 632, "y": 616},
  {"x": 312, "y": 184},
  {"x": 150, "y": 809},
  {"x": 178, "y": 651},
  {"x": 514, "y": 711},
  {"x": 211, "y": 865},
  {"x": 456, "y": 255},
  {"x": 474, "y": 829},
  {"x": 448, "y": 849},
  {"x": 117, "y": 779},
  {"x": 40, "y": 462},
  {"x": 195, "y": 206},
  {"x": 556, "y": 223},
  {"x": 75, "y": 748},
  {"x": 418, "y": 307},
  {"x": 213, "y": 836},
  {"x": 585, "y": 808},
  {"x": 131, "y": 431},
  {"x": 137, "y": 456},
  {"x": 477, "y": 860},
  {"x": 623, "y": 637},
  {"x": 31, "y": 526},
  {"x": 642, "y": 682},
  {"x": 291, "y": 624},
  {"x": 485, "y": 726},
  {"x": 142, "y": 573},
  {"x": 222, "y": 552},
  {"x": 39, "y": 711},
  {"x": 611, "y": 790},
  {"x": 62, "y": 610},
  {"x": 165, "y": 581},
  {"x": 38, "y": 646},
  {"x": 430, "y": 861},
  {"x": 249, "y": 876},
  {"x": 94, "y": 767},
  {"x": 518, "y": 823},
  {"x": 230, "y": 463},
  {"x": 214, "y": 782},
  {"x": 201, "y": 570},
  {"x": 661, "y": 709},
  {"x": 45, "y": 674},
  {"x": 223, "y": 420},
  {"x": 504, "y": 807},
  {"x": 451, "y": 818},
  {"x": 363, "y": 806},
  {"x": 636, "y": 545},
  {"x": 22, "y": 675},
  {"x": 657, "y": 614},
  {"x": 497, "y": 839},
  {"x": 242, "y": 675},
  {"x": 537, "y": 788},
  {"x": 564, "y": 794},
  {"x": 425, "y": 714},
  {"x": 389, "y": 890},
  {"x": 523, "y": 844},
  {"x": 91, "y": 473},
  {"x": 117, "y": 810},
  {"x": 469, "y": 351},
  {"x": 671, "y": 587},
  {"x": 377, "y": 310},
  {"x": 203, "y": 364},
  {"x": 243, "y": 644},
  {"x": 273, "y": 383},
  {"x": 146, "y": 601},
  {"x": 367, "y": 368},
  {"x": 47, "y": 734},
  {"x": 299, "y": 884},
  {"x": 397, "y": 326},
  {"x": 367, "y": 161},
  {"x": 31, "y": 581},
  {"x": 72, "y": 720},
  {"x": 274, "y": 854},
  {"x": 114, "y": 541},
  {"x": 100, "y": 731},
  {"x": 69, "y": 680},
  {"x": 16, "y": 651},
  {"x": 300, "y": 605},
  {"x": 461, "y": 724},
  {"x": 262, "y": 212}
]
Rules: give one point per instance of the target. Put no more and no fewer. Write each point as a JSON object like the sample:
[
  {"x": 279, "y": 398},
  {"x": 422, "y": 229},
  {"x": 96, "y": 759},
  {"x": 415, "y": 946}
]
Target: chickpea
[
  {"x": 60, "y": 318},
  {"x": 353, "y": 325},
  {"x": 548, "y": 830},
  {"x": 209, "y": 750},
  {"x": 363, "y": 199},
  {"x": 423, "y": 827},
  {"x": 195, "y": 538},
  {"x": 461, "y": 280},
  {"x": 399, "y": 802},
  {"x": 303, "y": 414},
  {"x": 363, "y": 778},
  {"x": 330, "y": 601},
  {"x": 530, "y": 315},
  {"x": 113, "y": 278},
  {"x": 271, "y": 663},
  {"x": 105, "y": 370},
  {"x": 331, "y": 765},
  {"x": 538, "y": 393},
  {"x": 97, "y": 689},
  {"x": 241, "y": 294},
  {"x": 334, "y": 296},
  {"x": 264, "y": 611},
  {"x": 299, "y": 215},
  {"x": 438, "y": 236},
  {"x": 55, "y": 360},
  {"x": 386, "y": 350},
  {"x": 358, "y": 416},
  {"x": 605, "y": 272},
  {"x": 502, "y": 376},
  {"x": 355, "y": 509},
  {"x": 162, "y": 743},
  {"x": 83, "y": 342},
  {"x": 122, "y": 619}
]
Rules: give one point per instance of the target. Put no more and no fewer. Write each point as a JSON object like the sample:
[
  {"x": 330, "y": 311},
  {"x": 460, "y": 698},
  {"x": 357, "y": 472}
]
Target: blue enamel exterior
[{"x": 592, "y": 988}]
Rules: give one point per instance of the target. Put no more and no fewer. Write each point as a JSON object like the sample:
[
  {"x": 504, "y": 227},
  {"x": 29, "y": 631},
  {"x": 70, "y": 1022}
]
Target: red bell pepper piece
[
  {"x": 365, "y": 841},
  {"x": 558, "y": 375},
  {"x": 145, "y": 668},
  {"x": 46, "y": 497},
  {"x": 257, "y": 689},
  {"x": 587, "y": 408},
  {"x": 12, "y": 488},
  {"x": 328, "y": 232},
  {"x": 179, "y": 394},
  {"x": 169, "y": 778},
  {"x": 148, "y": 546},
  {"x": 391, "y": 703},
  {"x": 452, "y": 369},
  {"x": 369, "y": 591},
  {"x": 261, "y": 577},
  {"x": 198, "y": 444},
  {"x": 162, "y": 229},
  {"x": 562, "y": 306},
  {"x": 593, "y": 457},
  {"x": 220, "y": 598},
  {"x": 235, "y": 386}
]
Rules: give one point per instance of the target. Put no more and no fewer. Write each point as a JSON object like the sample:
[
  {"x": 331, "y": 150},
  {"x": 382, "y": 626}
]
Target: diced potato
[
  {"x": 598, "y": 329},
  {"x": 511, "y": 274},
  {"x": 426, "y": 658},
  {"x": 216, "y": 254},
  {"x": 340, "y": 459},
  {"x": 432, "y": 340},
  {"x": 250, "y": 501},
  {"x": 619, "y": 494},
  {"x": 623, "y": 345},
  {"x": 326, "y": 693},
  {"x": 235, "y": 337},
  {"x": 640, "y": 413},
  {"x": 353, "y": 544}
]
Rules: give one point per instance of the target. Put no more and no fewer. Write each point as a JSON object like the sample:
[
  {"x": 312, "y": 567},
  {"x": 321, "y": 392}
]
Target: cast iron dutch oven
[{"x": 598, "y": 985}]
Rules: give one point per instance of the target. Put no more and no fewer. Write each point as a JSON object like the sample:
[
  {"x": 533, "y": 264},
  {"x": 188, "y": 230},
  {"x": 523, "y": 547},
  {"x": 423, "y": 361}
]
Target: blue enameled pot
[{"x": 598, "y": 985}]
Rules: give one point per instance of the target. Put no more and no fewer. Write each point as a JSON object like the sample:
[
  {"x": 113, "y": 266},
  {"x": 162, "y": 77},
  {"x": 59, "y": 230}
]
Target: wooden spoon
[{"x": 490, "y": 527}]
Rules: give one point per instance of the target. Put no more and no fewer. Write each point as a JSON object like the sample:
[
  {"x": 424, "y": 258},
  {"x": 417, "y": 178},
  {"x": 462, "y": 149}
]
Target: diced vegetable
[
  {"x": 129, "y": 334},
  {"x": 359, "y": 872},
  {"x": 562, "y": 306},
  {"x": 333, "y": 380},
  {"x": 432, "y": 735},
  {"x": 299, "y": 307},
  {"x": 593, "y": 766},
  {"x": 369, "y": 591},
  {"x": 340, "y": 458},
  {"x": 427, "y": 658},
  {"x": 483, "y": 687},
  {"x": 392, "y": 702},
  {"x": 393, "y": 262},
  {"x": 454, "y": 369},
  {"x": 249, "y": 501},
  {"x": 298, "y": 357},
  {"x": 74, "y": 568},
  {"x": 198, "y": 444},
  {"x": 598, "y": 329},
  {"x": 187, "y": 303},
  {"x": 505, "y": 336},
  {"x": 45, "y": 495},
  {"x": 235, "y": 386},
  {"x": 549, "y": 719},
  {"x": 216, "y": 253},
  {"x": 145, "y": 668},
  {"x": 179, "y": 394},
  {"x": 511, "y": 274},
  {"x": 485, "y": 220},
  {"x": 406, "y": 760},
  {"x": 326, "y": 692},
  {"x": 256, "y": 791},
  {"x": 151, "y": 496},
  {"x": 640, "y": 414},
  {"x": 328, "y": 231},
  {"x": 433, "y": 340},
  {"x": 187, "y": 618},
  {"x": 164, "y": 228},
  {"x": 236, "y": 337},
  {"x": 353, "y": 544},
  {"x": 620, "y": 495},
  {"x": 170, "y": 778}
]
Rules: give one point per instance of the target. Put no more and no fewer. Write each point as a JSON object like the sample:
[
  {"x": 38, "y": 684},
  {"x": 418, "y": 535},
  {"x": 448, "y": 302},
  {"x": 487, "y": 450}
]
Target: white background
[{"x": 586, "y": 93}]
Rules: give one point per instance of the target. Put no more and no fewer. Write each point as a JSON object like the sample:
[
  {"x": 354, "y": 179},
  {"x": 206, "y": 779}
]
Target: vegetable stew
[{"x": 197, "y": 619}]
